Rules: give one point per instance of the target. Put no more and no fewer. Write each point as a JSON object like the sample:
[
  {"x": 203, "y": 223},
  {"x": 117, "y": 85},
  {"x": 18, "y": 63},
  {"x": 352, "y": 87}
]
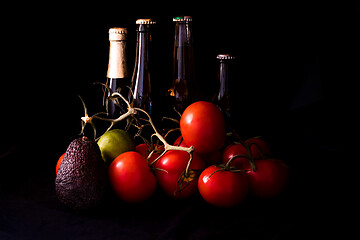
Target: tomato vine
[{"x": 131, "y": 111}]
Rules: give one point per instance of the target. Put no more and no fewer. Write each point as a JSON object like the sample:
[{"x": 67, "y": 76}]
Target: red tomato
[
  {"x": 180, "y": 142},
  {"x": 258, "y": 147},
  {"x": 239, "y": 162},
  {"x": 209, "y": 159},
  {"x": 202, "y": 125},
  {"x": 270, "y": 178},
  {"x": 173, "y": 182},
  {"x": 223, "y": 188},
  {"x": 145, "y": 149},
  {"x": 59, "y": 162},
  {"x": 131, "y": 177}
]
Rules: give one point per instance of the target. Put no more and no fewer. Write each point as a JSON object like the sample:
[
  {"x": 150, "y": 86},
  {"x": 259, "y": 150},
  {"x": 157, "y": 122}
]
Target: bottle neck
[
  {"x": 183, "y": 34},
  {"x": 117, "y": 66},
  {"x": 224, "y": 87},
  {"x": 141, "y": 84},
  {"x": 183, "y": 51},
  {"x": 183, "y": 67},
  {"x": 224, "y": 94}
]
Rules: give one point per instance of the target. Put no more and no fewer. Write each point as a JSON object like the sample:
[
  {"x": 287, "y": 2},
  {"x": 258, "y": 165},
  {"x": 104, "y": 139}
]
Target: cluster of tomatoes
[
  {"x": 223, "y": 175},
  {"x": 225, "y": 185}
]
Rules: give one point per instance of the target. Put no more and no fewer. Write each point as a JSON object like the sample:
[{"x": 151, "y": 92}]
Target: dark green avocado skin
[{"x": 82, "y": 177}]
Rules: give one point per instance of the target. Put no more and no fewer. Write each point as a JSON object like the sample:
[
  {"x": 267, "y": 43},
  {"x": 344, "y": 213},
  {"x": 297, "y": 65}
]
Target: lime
[{"x": 113, "y": 143}]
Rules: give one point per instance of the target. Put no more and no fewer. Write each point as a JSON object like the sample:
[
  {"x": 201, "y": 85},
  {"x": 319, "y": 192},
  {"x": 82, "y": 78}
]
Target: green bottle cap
[{"x": 182, "y": 19}]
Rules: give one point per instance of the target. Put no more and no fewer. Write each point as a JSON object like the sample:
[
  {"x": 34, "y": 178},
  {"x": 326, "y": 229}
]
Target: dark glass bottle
[
  {"x": 182, "y": 89},
  {"x": 141, "y": 79},
  {"x": 117, "y": 74},
  {"x": 223, "y": 98}
]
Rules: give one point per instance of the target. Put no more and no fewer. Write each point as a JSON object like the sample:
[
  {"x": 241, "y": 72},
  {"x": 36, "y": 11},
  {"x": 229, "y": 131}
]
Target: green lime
[{"x": 113, "y": 143}]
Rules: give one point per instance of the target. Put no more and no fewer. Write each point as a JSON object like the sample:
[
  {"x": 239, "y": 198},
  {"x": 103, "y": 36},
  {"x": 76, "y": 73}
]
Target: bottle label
[{"x": 117, "y": 67}]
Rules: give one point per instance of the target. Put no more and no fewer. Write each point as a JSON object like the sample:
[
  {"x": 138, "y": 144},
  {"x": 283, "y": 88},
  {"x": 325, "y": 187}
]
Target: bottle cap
[
  {"x": 117, "y": 34},
  {"x": 182, "y": 19},
  {"x": 145, "y": 21},
  {"x": 225, "y": 57}
]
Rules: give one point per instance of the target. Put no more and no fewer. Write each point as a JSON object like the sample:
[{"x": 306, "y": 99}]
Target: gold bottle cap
[
  {"x": 225, "y": 56},
  {"x": 145, "y": 21},
  {"x": 182, "y": 19},
  {"x": 117, "y": 34}
]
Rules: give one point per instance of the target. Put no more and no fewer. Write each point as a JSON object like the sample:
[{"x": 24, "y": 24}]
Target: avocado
[{"x": 81, "y": 180}]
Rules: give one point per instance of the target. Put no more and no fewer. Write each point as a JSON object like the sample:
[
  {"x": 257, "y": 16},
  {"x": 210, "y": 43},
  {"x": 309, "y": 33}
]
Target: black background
[{"x": 293, "y": 71}]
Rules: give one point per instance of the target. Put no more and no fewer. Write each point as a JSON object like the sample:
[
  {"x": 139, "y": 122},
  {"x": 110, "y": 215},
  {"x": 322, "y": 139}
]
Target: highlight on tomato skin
[{"x": 202, "y": 125}]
